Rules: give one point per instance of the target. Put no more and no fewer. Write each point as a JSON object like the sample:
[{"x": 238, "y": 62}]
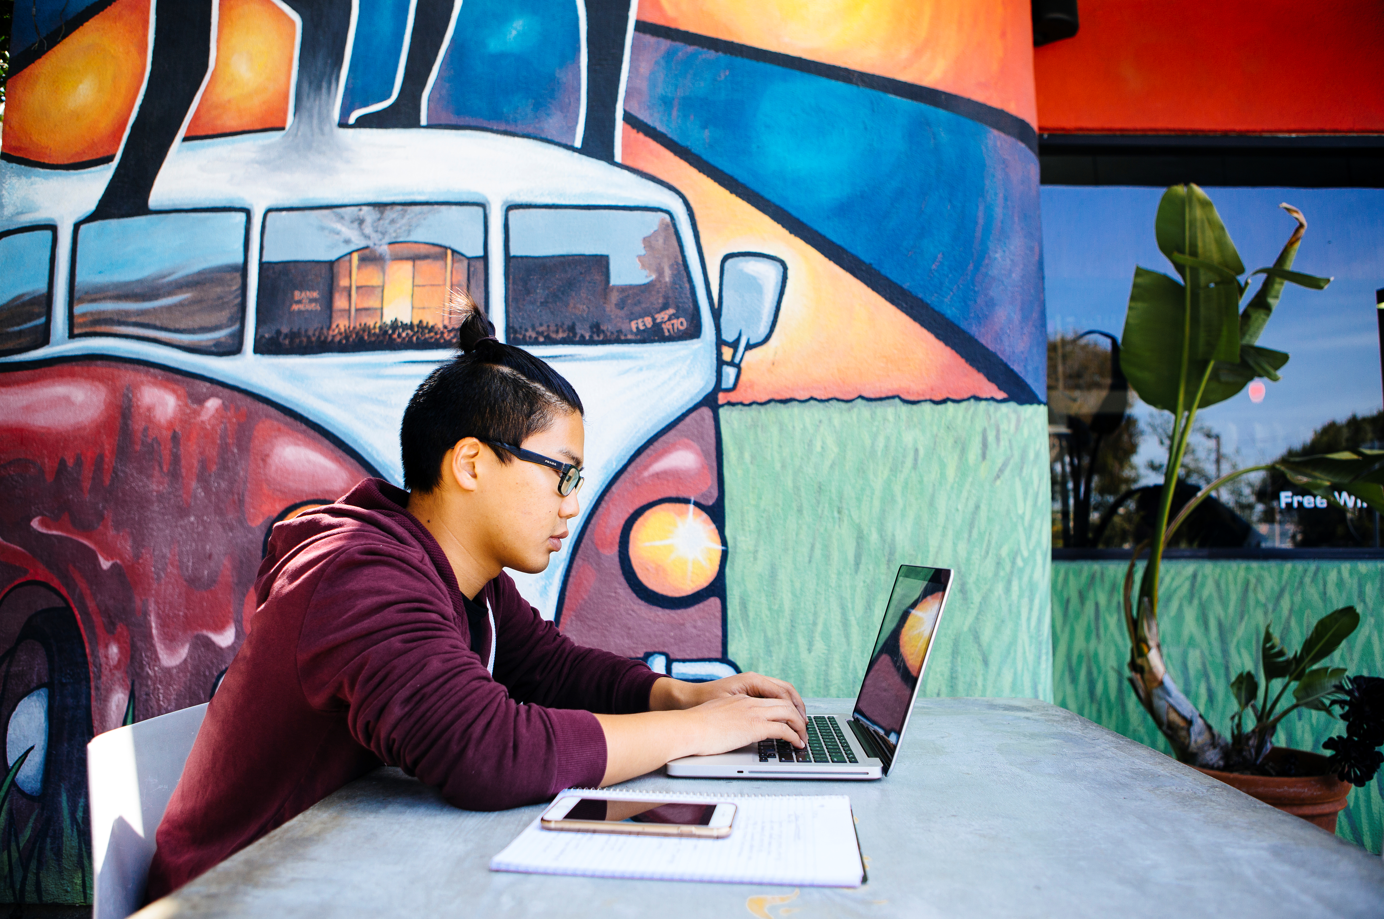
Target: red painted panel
[
  {"x": 1234, "y": 66},
  {"x": 600, "y": 608},
  {"x": 142, "y": 497}
]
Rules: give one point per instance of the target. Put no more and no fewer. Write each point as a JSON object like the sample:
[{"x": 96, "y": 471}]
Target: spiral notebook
[{"x": 806, "y": 840}]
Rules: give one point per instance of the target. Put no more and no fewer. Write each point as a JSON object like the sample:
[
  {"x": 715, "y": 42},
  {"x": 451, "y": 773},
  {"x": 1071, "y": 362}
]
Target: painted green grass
[
  {"x": 825, "y": 499},
  {"x": 1212, "y": 619}
]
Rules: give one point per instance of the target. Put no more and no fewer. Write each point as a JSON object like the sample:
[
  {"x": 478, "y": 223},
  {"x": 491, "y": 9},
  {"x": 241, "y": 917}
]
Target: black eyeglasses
[{"x": 569, "y": 477}]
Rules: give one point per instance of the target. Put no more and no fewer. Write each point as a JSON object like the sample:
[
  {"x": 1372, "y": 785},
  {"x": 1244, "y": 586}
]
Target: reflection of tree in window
[
  {"x": 1348, "y": 524},
  {"x": 388, "y": 297},
  {"x": 632, "y": 288}
]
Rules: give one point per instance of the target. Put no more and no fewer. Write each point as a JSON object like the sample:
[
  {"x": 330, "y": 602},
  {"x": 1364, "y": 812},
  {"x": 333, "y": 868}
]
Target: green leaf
[
  {"x": 1316, "y": 685},
  {"x": 1356, "y": 472},
  {"x": 1150, "y": 347},
  {"x": 129, "y": 718},
  {"x": 1273, "y": 658},
  {"x": 1295, "y": 277},
  {"x": 1216, "y": 324},
  {"x": 1155, "y": 328},
  {"x": 1261, "y": 306},
  {"x": 1371, "y": 495},
  {"x": 1187, "y": 223},
  {"x": 1344, "y": 467},
  {"x": 1222, "y": 274},
  {"x": 10, "y": 776},
  {"x": 1246, "y": 688},
  {"x": 1265, "y": 362},
  {"x": 1327, "y": 635},
  {"x": 1228, "y": 379}
]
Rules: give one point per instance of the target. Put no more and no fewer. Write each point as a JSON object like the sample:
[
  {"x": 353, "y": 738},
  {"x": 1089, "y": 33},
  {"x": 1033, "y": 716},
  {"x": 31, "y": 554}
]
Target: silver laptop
[{"x": 862, "y": 744}]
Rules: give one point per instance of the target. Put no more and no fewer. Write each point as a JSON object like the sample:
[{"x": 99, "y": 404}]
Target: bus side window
[
  {"x": 580, "y": 275},
  {"x": 26, "y": 287},
  {"x": 176, "y": 278},
  {"x": 367, "y": 278}
]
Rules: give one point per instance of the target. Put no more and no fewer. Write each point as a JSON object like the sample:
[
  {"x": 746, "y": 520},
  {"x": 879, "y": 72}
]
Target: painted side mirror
[{"x": 751, "y": 291}]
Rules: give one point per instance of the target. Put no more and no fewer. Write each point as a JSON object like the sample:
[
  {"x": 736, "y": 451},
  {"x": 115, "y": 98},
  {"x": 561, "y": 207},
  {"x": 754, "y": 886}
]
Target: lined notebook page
[{"x": 791, "y": 839}]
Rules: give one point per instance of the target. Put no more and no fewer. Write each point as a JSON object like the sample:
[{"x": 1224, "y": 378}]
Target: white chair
[{"x": 131, "y": 774}]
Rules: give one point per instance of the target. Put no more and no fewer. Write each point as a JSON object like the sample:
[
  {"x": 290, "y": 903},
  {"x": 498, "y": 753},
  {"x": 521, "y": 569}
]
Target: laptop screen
[{"x": 901, "y": 650}]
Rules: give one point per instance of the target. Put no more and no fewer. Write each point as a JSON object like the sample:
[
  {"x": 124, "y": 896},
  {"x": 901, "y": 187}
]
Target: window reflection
[
  {"x": 25, "y": 289},
  {"x": 172, "y": 278},
  {"x": 593, "y": 275},
  {"x": 367, "y": 278},
  {"x": 1327, "y": 400}
]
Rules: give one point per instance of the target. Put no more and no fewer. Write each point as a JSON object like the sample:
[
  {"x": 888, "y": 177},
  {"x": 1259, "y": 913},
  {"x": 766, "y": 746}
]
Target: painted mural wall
[{"x": 788, "y": 253}]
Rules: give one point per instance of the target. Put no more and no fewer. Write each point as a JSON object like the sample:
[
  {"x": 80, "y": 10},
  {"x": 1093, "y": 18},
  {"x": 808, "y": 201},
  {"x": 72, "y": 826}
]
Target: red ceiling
[{"x": 1225, "y": 66}]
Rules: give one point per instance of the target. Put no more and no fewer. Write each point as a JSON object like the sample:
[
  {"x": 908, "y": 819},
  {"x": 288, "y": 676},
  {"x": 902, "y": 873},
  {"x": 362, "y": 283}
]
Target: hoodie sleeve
[
  {"x": 540, "y": 665},
  {"x": 380, "y": 641}
]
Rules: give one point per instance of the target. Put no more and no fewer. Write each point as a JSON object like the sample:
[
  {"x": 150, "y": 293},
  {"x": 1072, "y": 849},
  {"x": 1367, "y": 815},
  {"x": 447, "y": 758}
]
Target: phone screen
[{"x": 679, "y": 813}]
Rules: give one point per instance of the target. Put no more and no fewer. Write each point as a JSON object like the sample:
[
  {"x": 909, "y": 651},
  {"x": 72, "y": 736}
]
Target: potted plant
[{"x": 1188, "y": 344}]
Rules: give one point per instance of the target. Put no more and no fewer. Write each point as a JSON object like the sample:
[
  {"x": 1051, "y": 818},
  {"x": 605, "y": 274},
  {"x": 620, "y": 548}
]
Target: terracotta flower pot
[{"x": 1318, "y": 799}]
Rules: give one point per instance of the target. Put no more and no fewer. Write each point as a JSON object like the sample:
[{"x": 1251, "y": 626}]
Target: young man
[{"x": 386, "y": 632}]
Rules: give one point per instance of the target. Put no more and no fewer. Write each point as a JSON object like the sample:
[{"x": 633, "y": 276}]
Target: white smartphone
[{"x": 670, "y": 817}]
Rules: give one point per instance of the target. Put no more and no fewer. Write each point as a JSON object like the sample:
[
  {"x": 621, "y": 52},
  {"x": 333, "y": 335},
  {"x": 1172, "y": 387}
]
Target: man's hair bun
[
  {"x": 475, "y": 326},
  {"x": 492, "y": 391}
]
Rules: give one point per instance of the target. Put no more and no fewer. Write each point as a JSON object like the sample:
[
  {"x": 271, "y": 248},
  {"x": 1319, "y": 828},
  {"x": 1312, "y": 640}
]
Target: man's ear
[{"x": 460, "y": 464}]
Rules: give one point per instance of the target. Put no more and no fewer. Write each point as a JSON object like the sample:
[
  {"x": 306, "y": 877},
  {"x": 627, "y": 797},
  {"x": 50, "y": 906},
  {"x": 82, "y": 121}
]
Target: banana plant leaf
[
  {"x": 1274, "y": 657},
  {"x": 1156, "y": 324},
  {"x": 1261, "y": 305},
  {"x": 1192, "y": 236},
  {"x": 1228, "y": 379},
  {"x": 1188, "y": 224},
  {"x": 1356, "y": 472},
  {"x": 1310, "y": 281},
  {"x": 1246, "y": 689}
]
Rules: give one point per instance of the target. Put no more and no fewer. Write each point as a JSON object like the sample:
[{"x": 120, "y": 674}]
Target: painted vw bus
[{"x": 174, "y": 382}]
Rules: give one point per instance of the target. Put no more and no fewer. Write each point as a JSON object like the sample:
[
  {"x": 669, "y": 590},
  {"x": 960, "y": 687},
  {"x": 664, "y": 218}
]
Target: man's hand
[
  {"x": 669, "y": 694},
  {"x": 700, "y": 718}
]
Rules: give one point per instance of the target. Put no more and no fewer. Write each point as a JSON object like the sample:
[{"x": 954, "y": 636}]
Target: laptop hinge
[{"x": 866, "y": 736}]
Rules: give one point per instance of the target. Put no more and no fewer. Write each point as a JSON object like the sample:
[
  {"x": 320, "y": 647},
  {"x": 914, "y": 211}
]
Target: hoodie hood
[{"x": 373, "y": 504}]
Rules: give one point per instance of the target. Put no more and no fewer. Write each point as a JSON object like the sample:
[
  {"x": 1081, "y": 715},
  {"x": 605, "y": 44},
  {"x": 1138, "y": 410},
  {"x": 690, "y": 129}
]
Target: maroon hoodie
[{"x": 360, "y": 653}]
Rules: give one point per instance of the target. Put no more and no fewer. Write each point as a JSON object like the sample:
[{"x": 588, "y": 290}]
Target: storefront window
[{"x": 1329, "y": 397}]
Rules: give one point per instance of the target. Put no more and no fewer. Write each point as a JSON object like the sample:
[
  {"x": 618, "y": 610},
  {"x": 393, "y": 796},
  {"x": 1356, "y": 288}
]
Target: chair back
[{"x": 131, "y": 774}]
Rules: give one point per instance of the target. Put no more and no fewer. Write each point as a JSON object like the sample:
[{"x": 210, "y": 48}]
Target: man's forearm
[
  {"x": 636, "y": 744},
  {"x": 670, "y": 695}
]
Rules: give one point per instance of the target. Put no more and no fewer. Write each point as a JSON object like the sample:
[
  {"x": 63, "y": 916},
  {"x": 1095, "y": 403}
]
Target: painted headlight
[{"x": 675, "y": 548}]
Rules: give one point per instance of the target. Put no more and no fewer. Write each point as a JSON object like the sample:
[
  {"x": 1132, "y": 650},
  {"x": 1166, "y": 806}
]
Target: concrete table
[{"x": 997, "y": 807}]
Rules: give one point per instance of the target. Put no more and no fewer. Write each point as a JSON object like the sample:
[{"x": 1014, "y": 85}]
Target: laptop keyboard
[{"x": 825, "y": 744}]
